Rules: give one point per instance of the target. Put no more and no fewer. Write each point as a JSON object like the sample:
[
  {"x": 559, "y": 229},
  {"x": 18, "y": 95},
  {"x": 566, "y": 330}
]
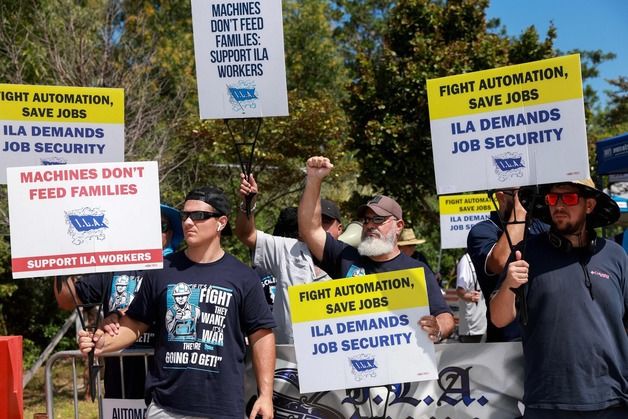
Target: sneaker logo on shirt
[{"x": 600, "y": 274}]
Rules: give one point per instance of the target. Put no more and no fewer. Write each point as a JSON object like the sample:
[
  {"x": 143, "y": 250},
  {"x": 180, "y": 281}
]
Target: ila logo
[
  {"x": 243, "y": 96},
  {"x": 508, "y": 165},
  {"x": 86, "y": 224}
]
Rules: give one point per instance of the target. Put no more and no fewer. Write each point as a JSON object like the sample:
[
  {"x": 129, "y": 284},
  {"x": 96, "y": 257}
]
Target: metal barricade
[{"x": 74, "y": 355}]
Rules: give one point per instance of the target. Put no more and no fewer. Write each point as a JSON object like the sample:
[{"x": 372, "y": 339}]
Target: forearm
[
  {"x": 263, "y": 358},
  {"x": 309, "y": 217},
  {"x": 498, "y": 258},
  {"x": 462, "y": 294},
  {"x": 129, "y": 331},
  {"x": 502, "y": 306},
  {"x": 245, "y": 229},
  {"x": 445, "y": 324},
  {"x": 65, "y": 293}
]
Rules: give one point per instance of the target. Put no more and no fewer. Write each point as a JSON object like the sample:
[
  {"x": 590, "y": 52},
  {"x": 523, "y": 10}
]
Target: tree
[{"x": 416, "y": 40}]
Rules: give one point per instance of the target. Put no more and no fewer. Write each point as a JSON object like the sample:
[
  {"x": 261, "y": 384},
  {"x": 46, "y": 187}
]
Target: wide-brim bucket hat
[{"x": 606, "y": 211}]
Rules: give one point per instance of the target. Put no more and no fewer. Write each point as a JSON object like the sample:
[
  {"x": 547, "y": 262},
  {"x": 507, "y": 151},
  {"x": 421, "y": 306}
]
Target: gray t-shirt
[
  {"x": 290, "y": 261},
  {"x": 472, "y": 315}
]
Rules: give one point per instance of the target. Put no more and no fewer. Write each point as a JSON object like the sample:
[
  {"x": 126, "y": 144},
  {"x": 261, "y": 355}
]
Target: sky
[{"x": 581, "y": 24}]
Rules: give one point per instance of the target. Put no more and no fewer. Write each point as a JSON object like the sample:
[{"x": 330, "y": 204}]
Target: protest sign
[
  {"x": 458, "y": 213},
  {"x": 53, "y": 125},
  {"x": 123, "y": 408},
  {"x": 507, "y": 127},
  {"x": 239, "y": 52},
  {"x": 362, "y": 331},
  {"x": 84, "y": 218}
]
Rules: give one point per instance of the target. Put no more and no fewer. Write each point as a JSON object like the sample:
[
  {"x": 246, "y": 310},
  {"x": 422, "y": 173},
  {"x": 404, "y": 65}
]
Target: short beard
[
  {"x": 373, "y": 246},
  {"x": 571, "y": 229}
]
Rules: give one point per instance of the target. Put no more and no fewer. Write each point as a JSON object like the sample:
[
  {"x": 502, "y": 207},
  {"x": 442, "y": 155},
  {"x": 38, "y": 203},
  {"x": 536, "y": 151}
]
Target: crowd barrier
[
  {"x": 105, "y": 406},
  {"x": 476, "y": 380}
]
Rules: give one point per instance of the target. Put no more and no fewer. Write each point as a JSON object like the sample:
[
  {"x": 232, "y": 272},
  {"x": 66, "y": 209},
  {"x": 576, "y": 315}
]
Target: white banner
[
  {"x": 475, "y": 380},
  {"x": 508, "y": 127},
  {"x": 239, "y": 52},
  {"x": 56, "y": 125},
  {"x": 84, "y": 218}
]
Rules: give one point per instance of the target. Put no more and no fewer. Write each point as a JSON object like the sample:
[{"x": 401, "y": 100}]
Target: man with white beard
[{"x": 382, "y": 222}]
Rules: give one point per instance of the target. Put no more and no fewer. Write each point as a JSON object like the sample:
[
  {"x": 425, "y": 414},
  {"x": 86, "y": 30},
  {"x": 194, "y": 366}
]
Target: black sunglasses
[
  {"x": 199, "y": 215},
  {"x": 377, "y": 220}
]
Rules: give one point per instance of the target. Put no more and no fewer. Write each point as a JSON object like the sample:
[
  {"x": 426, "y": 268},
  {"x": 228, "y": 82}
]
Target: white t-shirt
[
  {"x": 291, "y": 263},
  {"x": 472, "y": 315}
]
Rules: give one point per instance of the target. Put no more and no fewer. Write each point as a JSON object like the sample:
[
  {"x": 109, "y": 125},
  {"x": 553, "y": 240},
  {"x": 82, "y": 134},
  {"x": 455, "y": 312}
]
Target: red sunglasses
[{"x": 569, "y": 198}]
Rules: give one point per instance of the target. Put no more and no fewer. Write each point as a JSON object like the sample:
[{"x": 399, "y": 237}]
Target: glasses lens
[
  {"x": 551, "y": 199},
  {"x": 378, "y": 219},
  {"x": 570, "y": 199},
  {"x": 198, "y": 215},
  {"x": 165, "y": 227}
]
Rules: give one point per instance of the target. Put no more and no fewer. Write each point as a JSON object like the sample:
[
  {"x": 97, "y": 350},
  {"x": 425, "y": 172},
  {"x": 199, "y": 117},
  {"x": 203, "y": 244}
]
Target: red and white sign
[{"x": 84, "y": 218}]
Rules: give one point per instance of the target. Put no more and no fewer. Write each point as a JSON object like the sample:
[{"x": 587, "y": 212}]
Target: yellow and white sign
[
  {"x": 56, "y": 125},
  {"x": 362, "y": 331},
  {"x": 507, "y": 127},
  {"x": 458, "y": 213}
]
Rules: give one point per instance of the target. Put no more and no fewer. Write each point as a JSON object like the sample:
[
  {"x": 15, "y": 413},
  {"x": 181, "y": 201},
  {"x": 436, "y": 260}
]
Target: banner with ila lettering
[
  {"x": 84, "y": 218},
  {"x": 510, "y": 126},
  {"x": 362, "y": 331},
  {"x": 475, "y": 380},
  {"x": 56, "y": 125},
  {"x": 458, "y": 213},
  {"x": 240, "y": 68}
]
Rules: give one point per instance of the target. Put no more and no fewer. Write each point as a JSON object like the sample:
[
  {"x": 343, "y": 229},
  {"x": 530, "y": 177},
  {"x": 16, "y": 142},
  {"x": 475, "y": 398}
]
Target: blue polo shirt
[{"x": 575, "y": 343}]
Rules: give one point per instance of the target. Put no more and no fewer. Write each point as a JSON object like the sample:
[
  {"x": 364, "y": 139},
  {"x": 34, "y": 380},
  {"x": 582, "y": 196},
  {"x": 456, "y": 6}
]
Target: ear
[
  {"x": 221, "y": 222},
  {"x": 400, "y": 225},
  {"x": 590, "y": 205}
]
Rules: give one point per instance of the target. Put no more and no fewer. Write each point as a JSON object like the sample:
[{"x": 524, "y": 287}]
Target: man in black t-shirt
[
  {"x": 382, "y": 223},
  {"x": 202, "y": 377}
]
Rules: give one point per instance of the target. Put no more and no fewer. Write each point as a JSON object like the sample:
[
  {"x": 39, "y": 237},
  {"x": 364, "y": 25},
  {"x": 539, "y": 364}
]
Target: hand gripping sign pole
[
  {"x": 521, "y": 292},
  {"x": 92, "y": 367},
  {"x": 249, "y": 129}
]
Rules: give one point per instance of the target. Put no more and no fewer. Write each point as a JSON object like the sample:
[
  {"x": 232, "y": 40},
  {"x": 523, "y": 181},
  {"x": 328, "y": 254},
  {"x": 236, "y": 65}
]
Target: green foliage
[
  {"x": 313, "y": 62},
  {"x": 357, "y": 72}
]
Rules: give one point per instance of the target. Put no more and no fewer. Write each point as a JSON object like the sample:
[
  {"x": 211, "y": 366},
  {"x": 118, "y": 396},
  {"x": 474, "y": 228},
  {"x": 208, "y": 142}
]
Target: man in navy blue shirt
[
  {"x": 204, "y": 302},
  {"x": 489, "y": 246},
  {"x": 576, "y": 303},
  {"x": 382, "y": 220}
]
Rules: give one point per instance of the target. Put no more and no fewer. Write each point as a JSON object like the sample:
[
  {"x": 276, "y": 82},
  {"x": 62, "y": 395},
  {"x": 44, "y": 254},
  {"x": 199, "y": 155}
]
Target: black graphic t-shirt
[
  {"x": 115, "y": 291},
  {"x": 341, "y": 260},
  {"x": 202, "y": 313}
]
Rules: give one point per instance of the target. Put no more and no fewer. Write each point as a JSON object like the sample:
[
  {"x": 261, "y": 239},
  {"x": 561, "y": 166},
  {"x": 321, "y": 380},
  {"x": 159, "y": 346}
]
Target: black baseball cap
[
  {"x": 330, "y": 209},
  {"x": 215, "y": 197}
]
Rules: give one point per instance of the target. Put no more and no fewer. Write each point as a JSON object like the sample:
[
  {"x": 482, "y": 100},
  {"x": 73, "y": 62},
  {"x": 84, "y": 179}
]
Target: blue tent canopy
[{"x": 612, "y": 155}]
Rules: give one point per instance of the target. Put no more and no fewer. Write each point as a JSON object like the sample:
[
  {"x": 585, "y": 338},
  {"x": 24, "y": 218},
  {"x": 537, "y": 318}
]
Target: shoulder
[
  {"x": 612, "y": 249},
  {"x": 236, "y": 266},
  {"x": 265, "y": 240},
  {"x": 483, "y": 233}
]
